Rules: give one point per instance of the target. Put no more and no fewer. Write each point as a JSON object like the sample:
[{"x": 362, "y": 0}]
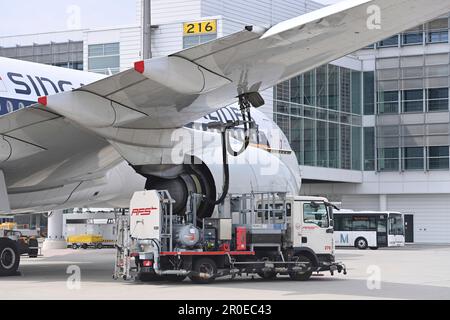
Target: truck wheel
[
  {"x": 205, "y": 270},
  {"x": 361, "y": 243},
  {"x": 74, "y": 246},
  {"x": 33, "y": 253},
  {"x": 268, "y": 275},
  {"x": 302, "y": 276},
  {"x": 174, "y": 278},
  {"x": 99, "y": 246},
  {"x": 9, "y": 258},
  {"x": 84, "y": 246}
]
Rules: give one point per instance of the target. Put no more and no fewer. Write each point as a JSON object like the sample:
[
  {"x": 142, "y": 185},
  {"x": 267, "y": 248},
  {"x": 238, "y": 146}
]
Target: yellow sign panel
[{"x": 200, "y": 27}]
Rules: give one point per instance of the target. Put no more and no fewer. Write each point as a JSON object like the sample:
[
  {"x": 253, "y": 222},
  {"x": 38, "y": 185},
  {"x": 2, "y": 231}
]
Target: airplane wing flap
[
  {"x": 114, "y": 83},
  {"x": 26, "y": 117}
]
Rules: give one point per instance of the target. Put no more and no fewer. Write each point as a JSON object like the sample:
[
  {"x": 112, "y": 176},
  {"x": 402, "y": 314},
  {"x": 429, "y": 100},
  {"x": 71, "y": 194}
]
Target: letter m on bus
[{"x": 344, "y": 238}]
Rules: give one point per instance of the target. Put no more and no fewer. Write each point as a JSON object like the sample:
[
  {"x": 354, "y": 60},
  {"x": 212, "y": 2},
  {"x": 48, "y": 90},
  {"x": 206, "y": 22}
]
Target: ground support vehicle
[{"x": 264, "y": 234}]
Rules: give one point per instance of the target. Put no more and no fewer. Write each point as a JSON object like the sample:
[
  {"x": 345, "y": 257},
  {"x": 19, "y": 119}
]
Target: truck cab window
[{"x": 316, "y": 213}]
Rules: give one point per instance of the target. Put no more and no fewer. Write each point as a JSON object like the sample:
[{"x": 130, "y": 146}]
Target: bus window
[
  {"x": 396, "y": 225},
  {"x": 343, "y": 223},
  {"x": 316, "y": 213},
  {"x": 381, "y": 227}
]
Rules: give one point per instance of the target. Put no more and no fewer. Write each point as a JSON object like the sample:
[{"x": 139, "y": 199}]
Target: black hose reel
[{"x": 246, "y": 101}]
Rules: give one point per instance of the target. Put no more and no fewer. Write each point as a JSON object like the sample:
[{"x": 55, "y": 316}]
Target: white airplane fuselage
[{"x": 99, "y": 177}]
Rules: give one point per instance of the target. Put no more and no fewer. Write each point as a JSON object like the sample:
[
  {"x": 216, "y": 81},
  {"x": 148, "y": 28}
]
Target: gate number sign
[{"x": 200, "y": 27}]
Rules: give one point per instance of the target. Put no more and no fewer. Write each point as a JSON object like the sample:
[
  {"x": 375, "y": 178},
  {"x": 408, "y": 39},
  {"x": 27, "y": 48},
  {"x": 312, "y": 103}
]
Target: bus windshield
[
  {"x": 316, "y": 213},
  {"x": 396, "y": 226}
]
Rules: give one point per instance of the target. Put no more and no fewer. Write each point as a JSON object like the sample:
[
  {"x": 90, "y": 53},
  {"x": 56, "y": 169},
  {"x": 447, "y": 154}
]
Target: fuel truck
[{"x": 264, "y": 234}]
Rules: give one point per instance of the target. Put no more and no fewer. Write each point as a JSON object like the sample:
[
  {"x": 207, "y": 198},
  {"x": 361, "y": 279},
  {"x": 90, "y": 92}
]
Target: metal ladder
[{"x": 122, "y": 265}]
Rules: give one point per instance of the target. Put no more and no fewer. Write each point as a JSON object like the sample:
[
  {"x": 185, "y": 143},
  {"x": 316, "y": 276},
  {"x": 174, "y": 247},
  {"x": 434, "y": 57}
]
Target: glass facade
[
  {"x": 321, "y": 114},
  {"x": 322, "y": 111},
  {"x": 104, "y": 58},
  {"x": 435, "y": 31},
  {"x": 67, "y": 54},
  {"x": 413, "y": 84}
]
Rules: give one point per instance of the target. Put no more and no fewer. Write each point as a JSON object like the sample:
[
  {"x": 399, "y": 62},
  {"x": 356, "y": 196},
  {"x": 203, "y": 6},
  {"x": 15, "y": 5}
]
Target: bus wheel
[
  {"x": 361, "y": 244},
  {"x": 9, "y": 258},
  {"x": 205, "y": 270},
  {"x": 373, "y": 248},
  {"x": 302, "y": 276}
]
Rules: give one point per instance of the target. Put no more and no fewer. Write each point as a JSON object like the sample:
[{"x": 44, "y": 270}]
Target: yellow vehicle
[
  {"x": 8, "y": 226},
  {"x": 85, "y": 241}
]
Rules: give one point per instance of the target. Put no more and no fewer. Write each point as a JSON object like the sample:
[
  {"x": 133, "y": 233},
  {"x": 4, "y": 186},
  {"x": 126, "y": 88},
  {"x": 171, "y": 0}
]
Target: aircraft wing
[
  {"x": 172, "y": 91},
  {"x": 169, "y": 92}
]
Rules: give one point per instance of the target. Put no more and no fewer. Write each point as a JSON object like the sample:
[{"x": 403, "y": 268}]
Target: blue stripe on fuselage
[{"x": 8, "y": 105}]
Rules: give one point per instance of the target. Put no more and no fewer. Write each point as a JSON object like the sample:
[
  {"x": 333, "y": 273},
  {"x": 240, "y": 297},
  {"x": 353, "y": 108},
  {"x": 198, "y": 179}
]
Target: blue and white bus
[{"x": 368, "y": 229}]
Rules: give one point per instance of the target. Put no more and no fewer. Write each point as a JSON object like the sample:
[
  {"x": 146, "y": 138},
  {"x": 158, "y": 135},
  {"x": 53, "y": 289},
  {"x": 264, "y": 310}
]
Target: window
[
  {"x": 388, "y": 159},
  {"x": 369, "y": 149},
  {"x": 369, "y": 93},
  {"x": 104, "y": 58},
  {"x": 438, "y": 99},
  {"x": 316, "y": 213},
  {"x": 437, "y": 31},
  {"x": 438, "y": 158},
  {"x": 333, "y": 145},
  {"x": 195, "y": 40},
  {"x": 356, "y": 148},
  {"x": 343, "y": 223},
  {"x": 322, "y": 144},
  {"x": 309, "y": 81},
  {"x": 396, "y": 225},
  {"x": 309, "y": 142},
  {"x": 412, "y": 100},
  {"x": 388, "y": 102},
  {"x": 356, "y": 92},
  {"x": 333, "y": 87},
  {"x": 296, "y": 89},
  {"x": 389, "y": 42},
  {"x": 414, "y": 36},
  {"x": 321, "y": 85},
  {"x": 364, "y": 223},
  {"x": 413, "y": 158}
]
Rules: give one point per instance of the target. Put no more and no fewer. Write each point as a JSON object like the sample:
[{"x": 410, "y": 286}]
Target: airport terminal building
[{"x": 370, "y": 130}]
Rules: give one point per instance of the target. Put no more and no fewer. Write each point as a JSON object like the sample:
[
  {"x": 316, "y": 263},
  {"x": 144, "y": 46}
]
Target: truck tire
[
  {"x": 74, "y": 246},
  {"x": 84, "y": 246},
  {"x": 33, "y": 253},
  {"x": 205, "y": 270},
  {"x": 302, "y": 276},
  {"x": 9, "y": 258},
  {"x": 361, "y": 243},
  {"x": 99, "y": 246}
]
